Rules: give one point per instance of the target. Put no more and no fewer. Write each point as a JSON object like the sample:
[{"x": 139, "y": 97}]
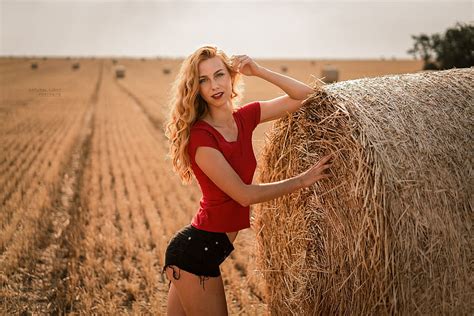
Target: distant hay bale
[
  {"x": 330, "y": 74},
  {"x": 142, "y": 59},
  {"x": 166, "y": 71},
  {"x": 284, "y": 68},
  {"x": 34, "y": 65},
  {"x": 76, "y": 65},
  {"x": 114, "y": 61},
  {"x": 426, "y": 70},
  {"x": 391, "y": 231},
  {"x": 120, "y": 71}
]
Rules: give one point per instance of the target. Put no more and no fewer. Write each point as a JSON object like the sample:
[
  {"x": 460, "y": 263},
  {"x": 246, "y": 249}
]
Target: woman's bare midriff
[{"x": 232, "y": 236}]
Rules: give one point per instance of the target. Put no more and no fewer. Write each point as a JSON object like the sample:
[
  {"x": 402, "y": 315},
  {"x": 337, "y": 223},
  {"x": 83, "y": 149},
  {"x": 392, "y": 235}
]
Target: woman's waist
[
  {"x": 209, "y": 202},
  {"x": 228, "y": 218},
  {"x": 230, "y": 236}
]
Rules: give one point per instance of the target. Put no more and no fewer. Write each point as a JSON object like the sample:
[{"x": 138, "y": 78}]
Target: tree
[{"x": 453, "y": 50}]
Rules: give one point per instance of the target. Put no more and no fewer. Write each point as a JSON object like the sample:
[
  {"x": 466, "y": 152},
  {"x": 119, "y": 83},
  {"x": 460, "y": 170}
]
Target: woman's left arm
[
  {"x": 294, "y": 88},
  {"x": 278, "y": 107}
]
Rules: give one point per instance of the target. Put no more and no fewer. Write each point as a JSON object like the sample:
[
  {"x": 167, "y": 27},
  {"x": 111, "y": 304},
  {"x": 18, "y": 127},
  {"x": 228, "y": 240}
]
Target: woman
[{"x": 212, "y": 140}]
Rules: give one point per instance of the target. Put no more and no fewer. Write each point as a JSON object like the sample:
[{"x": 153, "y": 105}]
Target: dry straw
[{"x": 391, "y": 231}]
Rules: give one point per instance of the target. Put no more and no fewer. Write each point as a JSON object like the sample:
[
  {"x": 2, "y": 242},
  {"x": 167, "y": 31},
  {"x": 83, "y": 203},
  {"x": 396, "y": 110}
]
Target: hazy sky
[{"x": 261, "y": 29}]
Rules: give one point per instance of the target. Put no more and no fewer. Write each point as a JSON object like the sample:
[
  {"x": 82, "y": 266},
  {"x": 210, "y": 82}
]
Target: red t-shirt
[{"x": 218, "y": 212}]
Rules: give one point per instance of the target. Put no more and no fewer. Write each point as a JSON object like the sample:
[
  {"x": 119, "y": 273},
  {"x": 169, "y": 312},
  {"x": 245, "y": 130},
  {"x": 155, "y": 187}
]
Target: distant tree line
[{"x": 454, "y": 49}]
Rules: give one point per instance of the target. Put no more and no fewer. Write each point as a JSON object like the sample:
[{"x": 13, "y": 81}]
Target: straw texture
[{"x": 391, "y": 231}]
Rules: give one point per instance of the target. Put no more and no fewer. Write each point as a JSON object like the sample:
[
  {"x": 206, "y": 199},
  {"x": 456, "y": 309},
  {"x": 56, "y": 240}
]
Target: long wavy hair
[{"x": 187, "y": 106}]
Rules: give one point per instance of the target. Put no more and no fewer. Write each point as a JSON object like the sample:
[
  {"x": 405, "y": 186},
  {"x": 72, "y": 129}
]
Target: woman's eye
[{"x": 218, "y": 75}]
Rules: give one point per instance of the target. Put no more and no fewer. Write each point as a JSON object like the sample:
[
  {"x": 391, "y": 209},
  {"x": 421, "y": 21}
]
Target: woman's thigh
[{"x": 196, "y": 299}]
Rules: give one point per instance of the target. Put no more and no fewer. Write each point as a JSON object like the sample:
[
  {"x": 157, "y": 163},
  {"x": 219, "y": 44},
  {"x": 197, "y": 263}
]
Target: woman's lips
[{"x": 218, "y": 95}]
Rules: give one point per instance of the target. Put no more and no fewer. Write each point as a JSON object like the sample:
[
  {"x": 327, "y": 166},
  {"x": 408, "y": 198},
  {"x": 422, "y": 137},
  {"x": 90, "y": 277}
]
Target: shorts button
[
  {"x": 189, "y": 238},
  {"x": 205, "y": 248},
  {"x": 217, "y": 242}
]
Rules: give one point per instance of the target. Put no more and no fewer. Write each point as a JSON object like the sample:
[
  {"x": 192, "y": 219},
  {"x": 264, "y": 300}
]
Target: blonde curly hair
[{"x": 187, "y": 106}]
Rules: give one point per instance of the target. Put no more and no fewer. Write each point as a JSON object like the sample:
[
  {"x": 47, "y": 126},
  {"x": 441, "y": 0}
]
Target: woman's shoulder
[
  {"x": 200, "y": 129},
  {"x": 199, "y": 125},
  {"x": 250, "y": 114},
  {"x": 201, "y": 135}
]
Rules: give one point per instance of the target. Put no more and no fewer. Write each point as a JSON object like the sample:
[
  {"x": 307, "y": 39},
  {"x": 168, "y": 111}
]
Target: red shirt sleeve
[
  {"x": 200, "y": 137},
  {"x": 250, "y": 114}
]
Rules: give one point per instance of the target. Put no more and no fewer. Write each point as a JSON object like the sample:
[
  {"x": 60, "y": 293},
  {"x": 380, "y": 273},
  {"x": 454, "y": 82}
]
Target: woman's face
[{"x": 214, "y": 78}]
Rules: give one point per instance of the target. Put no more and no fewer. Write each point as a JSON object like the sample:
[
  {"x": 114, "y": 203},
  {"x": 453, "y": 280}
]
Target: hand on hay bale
[
  {"x": 315, "y": 173},
  {"x": 389, "y": 235}
]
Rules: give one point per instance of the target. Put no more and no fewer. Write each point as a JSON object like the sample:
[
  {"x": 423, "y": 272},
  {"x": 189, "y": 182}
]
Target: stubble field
[{"x": 88, "y": 197}]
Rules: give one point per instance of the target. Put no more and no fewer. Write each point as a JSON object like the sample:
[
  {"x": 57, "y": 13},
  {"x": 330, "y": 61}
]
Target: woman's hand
[
  {"x": 245, "y": 65},
  {"x": 315, "y": 173}
]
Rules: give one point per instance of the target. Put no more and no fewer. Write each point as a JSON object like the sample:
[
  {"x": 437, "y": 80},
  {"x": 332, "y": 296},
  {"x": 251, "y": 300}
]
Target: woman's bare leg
[
  {"x": 195, "y": 299},
  {"x": 174, "y": 307}
]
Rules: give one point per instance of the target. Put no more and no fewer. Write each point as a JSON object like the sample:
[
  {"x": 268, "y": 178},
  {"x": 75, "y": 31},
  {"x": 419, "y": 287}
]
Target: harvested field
[{"x": 88, "y": 198}]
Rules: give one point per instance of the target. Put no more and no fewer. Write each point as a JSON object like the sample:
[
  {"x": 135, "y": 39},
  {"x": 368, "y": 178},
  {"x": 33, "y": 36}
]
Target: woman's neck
[{"x": 222, "y": 117}]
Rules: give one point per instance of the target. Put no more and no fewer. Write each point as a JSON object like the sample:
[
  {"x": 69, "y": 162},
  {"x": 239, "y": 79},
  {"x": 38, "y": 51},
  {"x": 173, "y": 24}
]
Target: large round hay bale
[
  {"x": 330, "y": 74},
  {"x": 34, "y": 65},
  {"x": 391, "y": 231},
  {"x": 119, "y": 71}
]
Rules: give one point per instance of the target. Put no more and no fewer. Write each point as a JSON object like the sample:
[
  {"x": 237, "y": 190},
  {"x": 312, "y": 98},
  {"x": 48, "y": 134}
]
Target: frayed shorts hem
[{"x": 176, "y": 274}]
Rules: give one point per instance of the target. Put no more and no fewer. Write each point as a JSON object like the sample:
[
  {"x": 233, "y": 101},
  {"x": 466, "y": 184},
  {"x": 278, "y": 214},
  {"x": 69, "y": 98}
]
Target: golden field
[{"x": 88, "y": 197}]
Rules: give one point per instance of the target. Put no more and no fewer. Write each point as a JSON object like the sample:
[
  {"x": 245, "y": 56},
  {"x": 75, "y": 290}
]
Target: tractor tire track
[{"x": 49, "y": 288}]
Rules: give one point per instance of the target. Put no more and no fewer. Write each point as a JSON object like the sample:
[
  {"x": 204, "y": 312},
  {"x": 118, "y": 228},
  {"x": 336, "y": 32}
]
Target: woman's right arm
[{"x": 215, "y": 166}]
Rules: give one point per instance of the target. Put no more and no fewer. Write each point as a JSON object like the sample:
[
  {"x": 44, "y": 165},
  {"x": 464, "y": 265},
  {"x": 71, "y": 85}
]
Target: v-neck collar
[{"x": 238, "y": 129}]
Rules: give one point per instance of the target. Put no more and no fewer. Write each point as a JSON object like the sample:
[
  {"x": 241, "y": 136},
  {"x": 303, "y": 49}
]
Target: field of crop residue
[{"x": 88, "y": 198}]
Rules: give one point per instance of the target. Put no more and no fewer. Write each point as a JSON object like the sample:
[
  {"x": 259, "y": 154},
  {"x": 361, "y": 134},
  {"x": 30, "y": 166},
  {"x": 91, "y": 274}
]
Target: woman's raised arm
[{"x": 295, "y": 89}]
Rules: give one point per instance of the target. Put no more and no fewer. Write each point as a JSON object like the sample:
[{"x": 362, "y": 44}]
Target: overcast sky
[{"x": 262, "y": 29}]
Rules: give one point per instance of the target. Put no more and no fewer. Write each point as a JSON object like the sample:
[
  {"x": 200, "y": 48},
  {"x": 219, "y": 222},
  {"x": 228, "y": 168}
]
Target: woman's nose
[{"x": 213, "y": 83}]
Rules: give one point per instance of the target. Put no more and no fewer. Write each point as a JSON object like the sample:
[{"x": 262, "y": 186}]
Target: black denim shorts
[{"x": 197, "y": 251}]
